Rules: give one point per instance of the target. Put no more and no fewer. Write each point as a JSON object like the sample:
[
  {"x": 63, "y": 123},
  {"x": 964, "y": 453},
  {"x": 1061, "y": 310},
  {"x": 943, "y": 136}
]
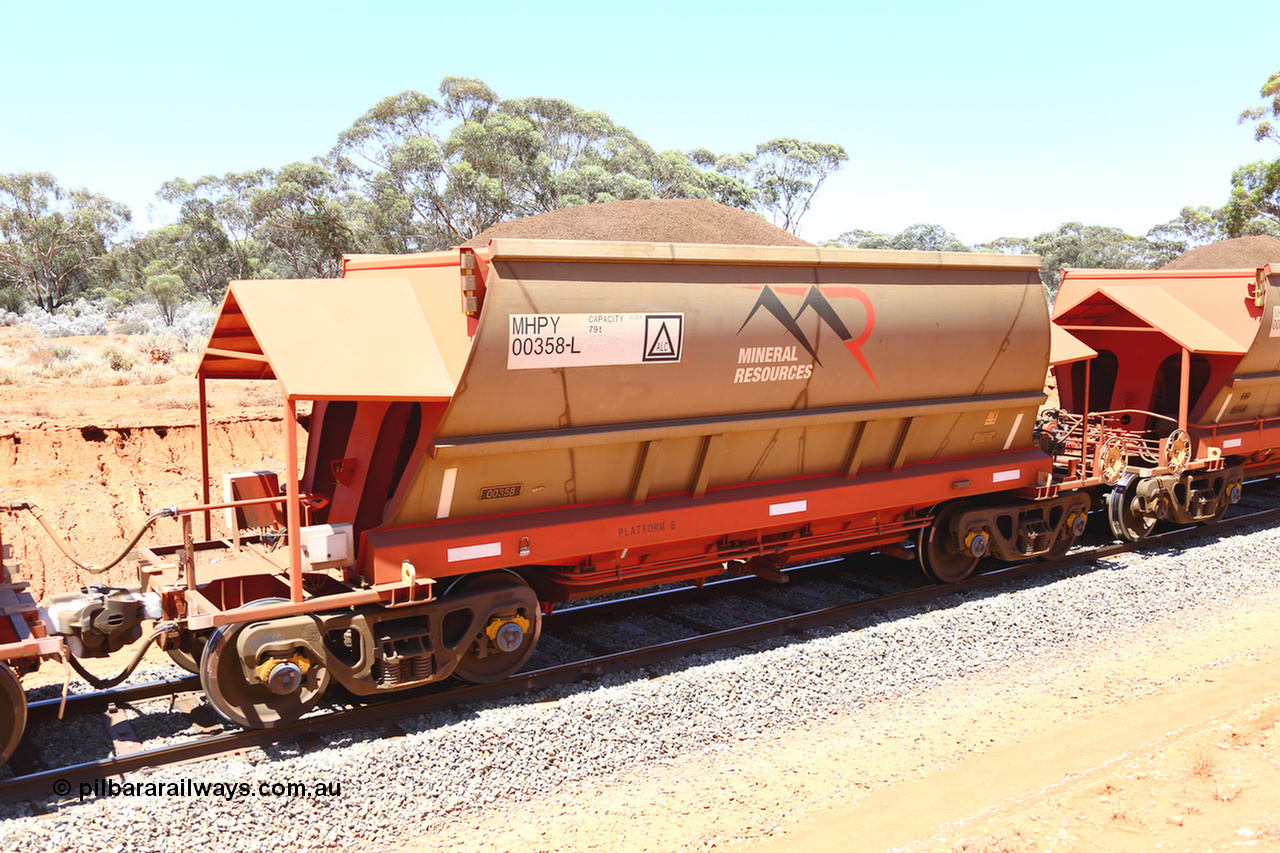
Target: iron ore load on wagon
[{"x": 497, "y": 429}]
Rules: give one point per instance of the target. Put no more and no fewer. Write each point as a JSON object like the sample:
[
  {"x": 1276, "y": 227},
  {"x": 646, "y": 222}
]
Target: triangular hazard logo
[
  {"x": 662, "y": 337},
  {"x": 661, "y": 344}
]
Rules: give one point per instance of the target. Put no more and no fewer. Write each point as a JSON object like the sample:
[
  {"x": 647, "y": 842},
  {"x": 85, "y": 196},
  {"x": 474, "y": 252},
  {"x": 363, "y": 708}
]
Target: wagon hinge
[{"x": 472, "y": 283}]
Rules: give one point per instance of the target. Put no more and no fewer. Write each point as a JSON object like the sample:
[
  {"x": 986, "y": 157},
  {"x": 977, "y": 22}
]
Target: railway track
[{"x": 601, "y": 638}]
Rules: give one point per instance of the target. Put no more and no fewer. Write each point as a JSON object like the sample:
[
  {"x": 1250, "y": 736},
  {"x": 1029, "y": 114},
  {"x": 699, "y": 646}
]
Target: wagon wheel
[
  {"x": 1125, "y": 523},
  {"x": 938, "y": 560},
  {"x": 502, "y": 645},
  {"x": 256, "y": 706},
  {"x": 1232, "y": 492},
  {"x": 13, "y": 712},
  {"x": 1072, "y": 529},
  {"x": 188, "y": 651},
  {"x": 1061, "y": 545}
]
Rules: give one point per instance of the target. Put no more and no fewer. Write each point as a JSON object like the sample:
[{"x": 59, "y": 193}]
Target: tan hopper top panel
[
  {"x": 328, "y": 339},
  {"x": 1203, "y": 311},
  {"x": 1065, "y": 347}
]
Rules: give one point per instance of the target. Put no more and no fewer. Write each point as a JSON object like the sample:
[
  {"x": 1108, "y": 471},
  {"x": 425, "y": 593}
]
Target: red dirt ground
[
  {"x": 99, "y": 460},
  {"x": 1167, "y": 743}
]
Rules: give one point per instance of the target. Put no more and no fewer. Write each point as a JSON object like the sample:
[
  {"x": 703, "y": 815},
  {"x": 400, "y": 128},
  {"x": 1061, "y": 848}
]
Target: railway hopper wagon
[
  {"x": 1177, "y": 395},
  {"x": 493, "y": 431}
]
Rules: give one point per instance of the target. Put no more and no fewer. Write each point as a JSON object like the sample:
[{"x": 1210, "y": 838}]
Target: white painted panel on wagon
[
  {"x": 446, "y": 492},
  {"x": 589, "y": 340},
  {"x": 475, "y": 552},
  {"x": 1006, "y": 476},
  {"x": 788, "y": 508},
  {"x": 1008, "y": 442},
  {"x": 1232, "y": 442},
  {"x": 1225, "y": 403}
]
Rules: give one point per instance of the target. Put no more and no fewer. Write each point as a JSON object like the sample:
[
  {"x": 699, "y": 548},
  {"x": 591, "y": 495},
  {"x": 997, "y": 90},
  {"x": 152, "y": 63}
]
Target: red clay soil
[
  {"x": 646, "y": 220},
  {"x": 1236, "y": 254},
  {"x": 97, "y": 461}
]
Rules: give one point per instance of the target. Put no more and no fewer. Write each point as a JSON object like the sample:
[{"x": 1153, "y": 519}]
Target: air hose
[
  {"x": 167, "y": 512},
  {"x": 104, "y": 683}
]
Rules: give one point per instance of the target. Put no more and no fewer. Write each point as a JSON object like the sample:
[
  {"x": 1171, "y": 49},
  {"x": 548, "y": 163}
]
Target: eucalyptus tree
[
  {"x": 219, "y": 224},
  {"x": 1255, "y": 187},
  {"x": 1074, "y": 244},
  {"x": 306, "y": 221},
  {"x": 55, "y": 242},
  {"x": 726, "y": 178},
  {"x": 198, "y": 256},
  {"x": 921, "y": 237},
  {"x": 1192, "y": 227},
  {"x": 394, "y": 154},
  {"x": 437, "y": 172},
  {"x": 788, "y": 173}
]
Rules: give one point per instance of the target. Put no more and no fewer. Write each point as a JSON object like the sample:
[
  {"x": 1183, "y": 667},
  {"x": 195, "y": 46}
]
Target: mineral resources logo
[{"x": 816, "y": 301}]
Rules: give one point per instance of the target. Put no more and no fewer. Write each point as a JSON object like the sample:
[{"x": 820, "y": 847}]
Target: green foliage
[
  {"x": 436, "y": 173},
  {"x": 1254, "y": 206},
  {"x": 852, "y": 238},
  {"x": 54, "y": 242},
  {"x": 167, "y": 291},
  {"x": 788, "y": 173},
  {"x": 467, "y": 98},
  {"x": 293, "y": 222},
  {"x": 1262, "y": 128},
  {"x": 1193, "y": 227},
  {"x": 416, "y": 173},
  {"x": 1074, "y": 244},
  {"x": 11, "y": 300},
  {"x": 920, "y": 237},
  {"x": 725, "y": 178},
  {"x": 214, "y": 234},
  {"x": 307, "y": 219},
  {"x": 1255, "y": 198}
]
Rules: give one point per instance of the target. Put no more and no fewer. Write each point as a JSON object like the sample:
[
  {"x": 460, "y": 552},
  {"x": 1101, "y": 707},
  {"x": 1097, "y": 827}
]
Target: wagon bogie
[
  {"x": 1137, "y": 504},
  {"x": 961, "y": 533},
  {"x": 263, "y": 674}
]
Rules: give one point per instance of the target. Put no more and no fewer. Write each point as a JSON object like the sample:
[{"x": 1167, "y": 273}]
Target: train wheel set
[{"x": 496, "y": 431}]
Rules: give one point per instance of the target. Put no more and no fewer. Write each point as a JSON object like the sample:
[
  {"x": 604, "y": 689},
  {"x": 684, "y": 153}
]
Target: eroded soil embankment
[{"x": 98, "y": 484}]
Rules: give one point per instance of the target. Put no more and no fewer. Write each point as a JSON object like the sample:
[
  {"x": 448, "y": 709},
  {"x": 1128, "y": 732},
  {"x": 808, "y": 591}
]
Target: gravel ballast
[{"x": 448, "y": 764}]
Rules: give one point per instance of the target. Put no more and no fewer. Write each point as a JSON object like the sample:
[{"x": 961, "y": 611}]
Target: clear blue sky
[{"x": 990, "y": 118}]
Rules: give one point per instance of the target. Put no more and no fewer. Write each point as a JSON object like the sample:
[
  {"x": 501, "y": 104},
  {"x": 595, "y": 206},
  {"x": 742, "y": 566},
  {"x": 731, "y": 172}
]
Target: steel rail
[
  {"x": 92, "y": 702},
  {"x": 39, "y": 786},
  {"x": 79, "y": 704}
]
